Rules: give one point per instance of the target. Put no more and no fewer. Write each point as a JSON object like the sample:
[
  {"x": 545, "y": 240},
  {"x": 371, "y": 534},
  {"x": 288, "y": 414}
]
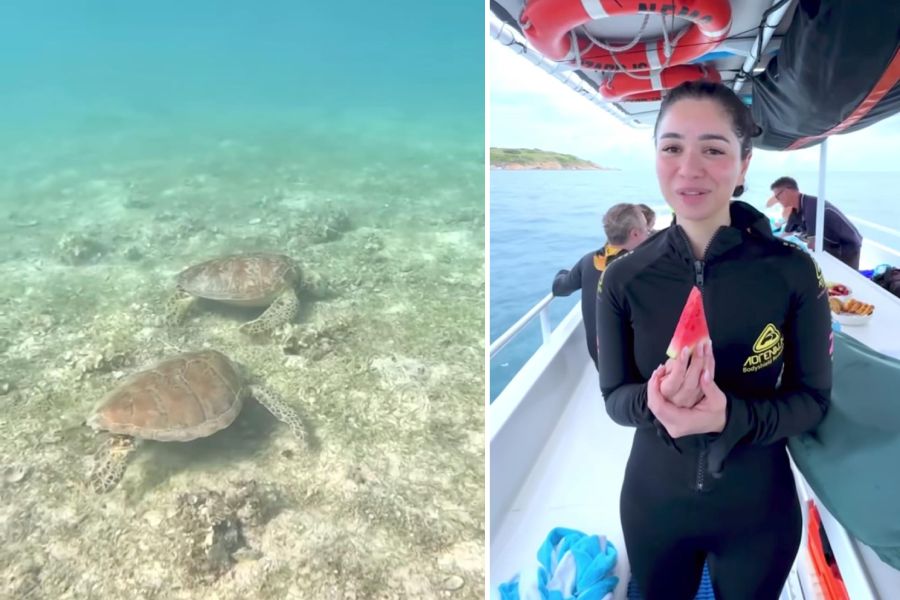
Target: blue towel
[{"x": 571, "y": 564}]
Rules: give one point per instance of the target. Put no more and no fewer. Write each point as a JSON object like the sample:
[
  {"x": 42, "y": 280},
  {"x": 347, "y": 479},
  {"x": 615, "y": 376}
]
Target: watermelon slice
[{"x": 691, "y": 328}]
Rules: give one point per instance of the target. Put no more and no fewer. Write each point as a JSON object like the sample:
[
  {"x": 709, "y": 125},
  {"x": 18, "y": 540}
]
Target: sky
[{"x": 529, "y": 108}]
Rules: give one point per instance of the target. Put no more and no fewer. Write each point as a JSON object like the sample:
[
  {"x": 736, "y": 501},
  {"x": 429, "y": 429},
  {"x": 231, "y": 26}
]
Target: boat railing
[
  {"x": 880, "y": 228},
  {"x": 541, "y": 310}
]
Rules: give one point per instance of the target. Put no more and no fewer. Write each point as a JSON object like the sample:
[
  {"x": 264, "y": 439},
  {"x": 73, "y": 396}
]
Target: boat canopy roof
[{"x": 807, "y": 68}]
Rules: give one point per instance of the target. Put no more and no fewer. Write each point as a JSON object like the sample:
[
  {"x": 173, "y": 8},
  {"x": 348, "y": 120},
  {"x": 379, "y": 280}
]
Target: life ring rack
[
  {"x": 625, "y": 87},
  {"x": 549, "y": 26}
]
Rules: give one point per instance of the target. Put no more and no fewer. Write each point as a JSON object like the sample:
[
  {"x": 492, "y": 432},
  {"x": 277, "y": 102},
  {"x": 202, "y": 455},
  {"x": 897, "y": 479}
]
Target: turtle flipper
[
  {"x": 282, "y": 310},
  {"x": 280, "y": 409},
  {"x": 177, "y": 307},
  {"x": 110, "y": 461}
]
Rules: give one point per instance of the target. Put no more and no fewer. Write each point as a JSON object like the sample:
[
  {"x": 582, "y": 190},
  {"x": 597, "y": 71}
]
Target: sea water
[
  {"x": 140, "y": 138},
  {"x": 544, "y": 221}
]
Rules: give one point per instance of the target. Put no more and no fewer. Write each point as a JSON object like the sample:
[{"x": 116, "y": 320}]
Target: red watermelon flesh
[{"x": 691, "y": 328}]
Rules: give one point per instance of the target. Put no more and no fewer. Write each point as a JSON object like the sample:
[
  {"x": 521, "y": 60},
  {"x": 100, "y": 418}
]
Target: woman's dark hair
[{"x": 741, "y": 120}]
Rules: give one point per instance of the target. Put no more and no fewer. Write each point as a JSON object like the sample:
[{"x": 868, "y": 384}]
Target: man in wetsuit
[
  {"x": 842, "y": 238},
  {"x": 625, "y": 227}
]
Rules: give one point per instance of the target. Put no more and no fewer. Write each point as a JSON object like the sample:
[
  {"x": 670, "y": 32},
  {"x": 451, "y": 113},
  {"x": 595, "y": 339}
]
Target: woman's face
[{"x": 698, "y": 159}]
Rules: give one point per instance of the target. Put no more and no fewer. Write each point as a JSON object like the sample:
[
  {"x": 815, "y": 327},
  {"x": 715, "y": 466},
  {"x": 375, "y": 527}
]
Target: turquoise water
[
  {"x": 141, "y": 138},
  {"x": 66, "y": 59},
  {"x": 544, "y": 221}
]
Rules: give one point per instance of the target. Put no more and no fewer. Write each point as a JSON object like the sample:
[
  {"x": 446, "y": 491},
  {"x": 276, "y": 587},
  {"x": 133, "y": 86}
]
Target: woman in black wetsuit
[{"x": 708, "y": 478}]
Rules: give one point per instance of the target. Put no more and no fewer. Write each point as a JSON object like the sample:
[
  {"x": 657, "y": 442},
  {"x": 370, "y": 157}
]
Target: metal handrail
[{"x": 540, "y": 308}]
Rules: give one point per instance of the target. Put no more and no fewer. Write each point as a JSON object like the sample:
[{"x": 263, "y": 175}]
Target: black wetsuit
[
  {"x": 585, "y": 275},
  {"x": 842, "y": 238},
  {"x": 726, "y": 498}
]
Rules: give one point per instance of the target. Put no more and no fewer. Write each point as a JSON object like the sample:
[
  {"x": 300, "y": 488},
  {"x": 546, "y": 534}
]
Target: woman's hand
[
  {"x": 707, "y": 416},
  {"x": 681, "y": 383}
]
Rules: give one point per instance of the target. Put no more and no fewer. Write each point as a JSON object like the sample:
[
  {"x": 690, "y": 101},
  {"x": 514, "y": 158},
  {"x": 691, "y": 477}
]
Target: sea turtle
[
  {"x": 179, "y": 399},
  {"x": 260, "y": 279}
]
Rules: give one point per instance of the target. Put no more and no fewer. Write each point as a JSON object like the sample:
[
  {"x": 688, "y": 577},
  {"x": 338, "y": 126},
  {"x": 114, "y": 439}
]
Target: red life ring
[
  {"x": 622, "y": 86},
  {"x": 547, "y": 25}
]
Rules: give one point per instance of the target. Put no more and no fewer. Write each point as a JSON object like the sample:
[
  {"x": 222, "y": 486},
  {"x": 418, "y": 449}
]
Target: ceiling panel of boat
[
  {"x": 746, "y": 16},
  {"x": 831, "y": 67}
]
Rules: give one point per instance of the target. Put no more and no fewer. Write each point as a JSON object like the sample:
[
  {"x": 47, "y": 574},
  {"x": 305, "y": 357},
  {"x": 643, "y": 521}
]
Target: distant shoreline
[
  {"x": 523, "y": 159},
  {"x": 548, "y": 167}
]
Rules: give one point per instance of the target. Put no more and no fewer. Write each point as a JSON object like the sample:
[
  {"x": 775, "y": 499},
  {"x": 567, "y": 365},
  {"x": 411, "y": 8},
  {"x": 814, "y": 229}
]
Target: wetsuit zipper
[
  {"x": 700, "y": 264},
  {"x": 701, "y": 468},
  {"x": 701, "y": 460},
  {"x": 699, "y": 267}
]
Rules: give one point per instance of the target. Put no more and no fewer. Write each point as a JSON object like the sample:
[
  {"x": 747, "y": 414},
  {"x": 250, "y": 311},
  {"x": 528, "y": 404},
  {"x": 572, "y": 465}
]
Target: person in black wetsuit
[
  {"x": 842, "y": 238},
  {"x": 625, "y": 227},
  {"x": 708, "y": 478}
]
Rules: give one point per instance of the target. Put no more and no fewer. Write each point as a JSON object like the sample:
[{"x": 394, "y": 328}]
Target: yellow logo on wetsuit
[
  {"x": 767, "y": 348},
  {"x": 819, "y": 276},
  {"x": 600, "y": 263}
]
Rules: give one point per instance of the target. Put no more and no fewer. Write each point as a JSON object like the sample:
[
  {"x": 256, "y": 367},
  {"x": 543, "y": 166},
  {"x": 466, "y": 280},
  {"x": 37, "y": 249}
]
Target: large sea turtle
[
  {"x": 181, "y": 398},
  {"x": 260, "y": 280}
]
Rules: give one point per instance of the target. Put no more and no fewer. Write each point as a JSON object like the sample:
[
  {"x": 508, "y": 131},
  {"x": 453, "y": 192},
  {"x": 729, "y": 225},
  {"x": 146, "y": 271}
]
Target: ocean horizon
[{"x": 543, "y": 221}]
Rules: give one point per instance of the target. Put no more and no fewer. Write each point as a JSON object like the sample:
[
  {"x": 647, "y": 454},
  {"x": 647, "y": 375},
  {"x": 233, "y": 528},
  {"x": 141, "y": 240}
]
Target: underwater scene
[{"x": 242, "y": 301}]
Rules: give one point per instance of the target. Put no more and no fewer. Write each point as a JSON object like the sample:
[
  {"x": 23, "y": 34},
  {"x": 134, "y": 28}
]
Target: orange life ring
[
  {"x": 548, "y": 24},
  {"x": 621, "y": 86}
]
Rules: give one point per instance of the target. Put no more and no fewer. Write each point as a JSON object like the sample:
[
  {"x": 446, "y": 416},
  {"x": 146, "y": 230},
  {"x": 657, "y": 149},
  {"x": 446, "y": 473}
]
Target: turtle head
[{"x": 110, "y": 461}]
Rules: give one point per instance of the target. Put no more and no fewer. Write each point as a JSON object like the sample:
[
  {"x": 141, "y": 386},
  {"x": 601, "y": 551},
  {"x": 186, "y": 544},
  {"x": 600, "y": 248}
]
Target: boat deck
[
  {"x": 575, "y": 483},
  {"x": 558, "y": 460}
]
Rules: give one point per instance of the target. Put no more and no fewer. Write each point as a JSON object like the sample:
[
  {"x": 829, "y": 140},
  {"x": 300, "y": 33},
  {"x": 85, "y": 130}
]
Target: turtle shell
[
  {"x": 188, "y": 396},
  {"x": 244, "y": 279}
]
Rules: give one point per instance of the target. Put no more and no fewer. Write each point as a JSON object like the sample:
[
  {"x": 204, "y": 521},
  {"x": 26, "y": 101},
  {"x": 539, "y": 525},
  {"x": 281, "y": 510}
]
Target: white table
[{"x": 882, "y": 331}]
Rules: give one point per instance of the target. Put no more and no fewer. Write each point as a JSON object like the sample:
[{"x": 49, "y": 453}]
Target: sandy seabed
[{"x": 385, "y": 362}]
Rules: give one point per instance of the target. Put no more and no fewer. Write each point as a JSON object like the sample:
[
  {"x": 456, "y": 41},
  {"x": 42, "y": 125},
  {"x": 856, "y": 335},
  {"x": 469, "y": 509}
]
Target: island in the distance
[{"x": 514, "y": 159}]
